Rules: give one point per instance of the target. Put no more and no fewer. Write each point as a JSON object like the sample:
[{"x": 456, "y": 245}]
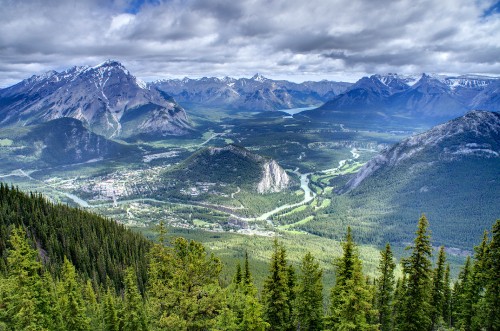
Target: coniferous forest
[{"x": 66, "y": 269}]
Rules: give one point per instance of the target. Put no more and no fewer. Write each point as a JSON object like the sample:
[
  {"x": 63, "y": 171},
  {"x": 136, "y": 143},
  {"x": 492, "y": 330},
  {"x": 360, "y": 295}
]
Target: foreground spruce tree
[
  {"x": 72, "y": 303},
  {"x": 309, "y": 301},
  {"x": 438, "y": 290},
  {"x": 385, "y": 289},
  {"x": 184, "y": 291},
  {"x": 399, "y": 299},
  {"x": 244, "y": 311},
  {"x": 110, "y": 313},
  {"x": 492, "y": 294},
  {"x": 462, "y": 307},
  {"x": 27, "y": 299},
  {"x": 253, "y": 312},
  {"x": 447, "y": 297},
  {"x": 416, "y": 309},
  {"x": 479, "y": 275},
  {"x": 276, "y": 291},
  {"x": 350, "y": 299},
  {"x": 247, "y": 276},
  {"x": 134, "y": 315}
]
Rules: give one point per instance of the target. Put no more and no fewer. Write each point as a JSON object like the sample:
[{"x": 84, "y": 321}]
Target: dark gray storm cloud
[{"x": 281, "y": 38}]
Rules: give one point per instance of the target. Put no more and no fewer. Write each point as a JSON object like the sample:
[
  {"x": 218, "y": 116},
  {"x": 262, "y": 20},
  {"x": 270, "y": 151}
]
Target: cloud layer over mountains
[{"x": 291, "y": 39}]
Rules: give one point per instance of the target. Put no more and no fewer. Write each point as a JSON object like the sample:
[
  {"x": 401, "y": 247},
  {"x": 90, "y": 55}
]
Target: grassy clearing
[
  {"x": 6, "y": 142},
  {"x": 295, "y": 210},
  {"x": 351, "y": 168},
  {"x": 201, "y": 224},
  {"x": 301, "y": 222},
  {"x": 325, "y": 204},
  {"x": 207, "y": 135}
]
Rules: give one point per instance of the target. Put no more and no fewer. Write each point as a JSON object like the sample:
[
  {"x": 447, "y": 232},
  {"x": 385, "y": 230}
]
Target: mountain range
[
  {"x": 429, "y": 98},
  {"x": 252, "y": 94},
  {"x": 106, "y": 98},
  {"x": 112, "y": 102}
]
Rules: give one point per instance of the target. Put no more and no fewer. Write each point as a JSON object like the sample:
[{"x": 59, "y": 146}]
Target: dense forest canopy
[{"x": 67, "y": 269}]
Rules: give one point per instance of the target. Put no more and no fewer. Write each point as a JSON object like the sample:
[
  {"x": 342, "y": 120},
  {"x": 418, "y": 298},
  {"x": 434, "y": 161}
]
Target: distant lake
[{"x": 293, "y": 111}]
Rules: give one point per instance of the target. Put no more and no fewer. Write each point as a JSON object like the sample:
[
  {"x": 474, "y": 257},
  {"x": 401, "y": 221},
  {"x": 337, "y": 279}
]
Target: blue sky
[
  {"x": 287, "y": 39},
  {"x": 134, "y": 6},
  {"x": 492, "y": 10}
]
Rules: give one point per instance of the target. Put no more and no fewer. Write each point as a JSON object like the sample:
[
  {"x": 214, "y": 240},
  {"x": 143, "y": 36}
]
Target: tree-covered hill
[{"x": 99, "y": 248}]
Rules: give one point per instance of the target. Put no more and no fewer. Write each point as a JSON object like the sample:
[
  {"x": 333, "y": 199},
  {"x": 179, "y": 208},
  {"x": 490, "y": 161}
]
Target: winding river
[{"x": 304, "y": 185}]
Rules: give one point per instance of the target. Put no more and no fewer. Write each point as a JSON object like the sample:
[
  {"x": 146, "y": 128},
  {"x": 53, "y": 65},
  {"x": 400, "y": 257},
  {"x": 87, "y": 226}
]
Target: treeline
[
  {"x": 183, "y": 290},
  {"x": 99, "y": 248}
]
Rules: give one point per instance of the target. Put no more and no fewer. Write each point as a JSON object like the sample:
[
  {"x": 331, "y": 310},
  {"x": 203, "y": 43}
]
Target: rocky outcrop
[{"x": 274, "y": 178}]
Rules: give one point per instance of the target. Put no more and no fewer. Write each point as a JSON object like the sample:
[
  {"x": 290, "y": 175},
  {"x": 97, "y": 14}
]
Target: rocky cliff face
[
  {"x": 274, "y": 178},
  {"x": 106, "y": 98}
]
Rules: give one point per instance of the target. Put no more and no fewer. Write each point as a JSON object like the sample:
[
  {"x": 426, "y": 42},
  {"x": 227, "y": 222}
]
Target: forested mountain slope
[{"x": 99, "y": 248}]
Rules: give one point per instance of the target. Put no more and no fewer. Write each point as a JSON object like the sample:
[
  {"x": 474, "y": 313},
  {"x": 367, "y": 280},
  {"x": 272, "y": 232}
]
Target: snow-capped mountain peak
[
  {"x": 259, "y": 78},
  {"x": 99, "y": 96}
]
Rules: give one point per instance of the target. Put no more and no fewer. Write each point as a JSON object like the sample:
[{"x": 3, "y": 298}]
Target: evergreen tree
[
  {"x": 438, "y": 290},
  {"x": 463, "y": 308},
  {"x": 309, "y": 300},
  {"x": 49, "y": 304},
  {"x": 372, "y": 315},
  {"x": 184, "y": 291},
  {"x": 247, "y": 276},
  {"x": 447, "y": 297},
  {"x": 19, "y": 288},
  {"x": 162, "y": 233},
  {"x": 134, "y": 316},
  {"x": 291, "y": 295},
  {"x": 93, "y": 312},
  {"x": 226, "y": 321},
  {"x": 28, "y": 298},
  {"x": 385, "y": 288},
  {"x": 276, "y": 291},
  {"x": 235, "y": 294},
  {"x": 478, "y": 284},
  {"x": 72, "y": 303},
  {"x": 237, "y": 276},
  {"x": 111, "y": 320},
  {"x": 416, "y": 306},
  {"x": 253, "y": 315},
  {"x": 492, "y": 294},
  {"x": 399, "y": 300},
  {"x": 350, "y": 299}
]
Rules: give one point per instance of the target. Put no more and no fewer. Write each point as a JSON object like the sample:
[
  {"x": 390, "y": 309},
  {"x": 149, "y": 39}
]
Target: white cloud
[
  {"x": 120, "y": 22},
  {"x": 280, "y": 38}
]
